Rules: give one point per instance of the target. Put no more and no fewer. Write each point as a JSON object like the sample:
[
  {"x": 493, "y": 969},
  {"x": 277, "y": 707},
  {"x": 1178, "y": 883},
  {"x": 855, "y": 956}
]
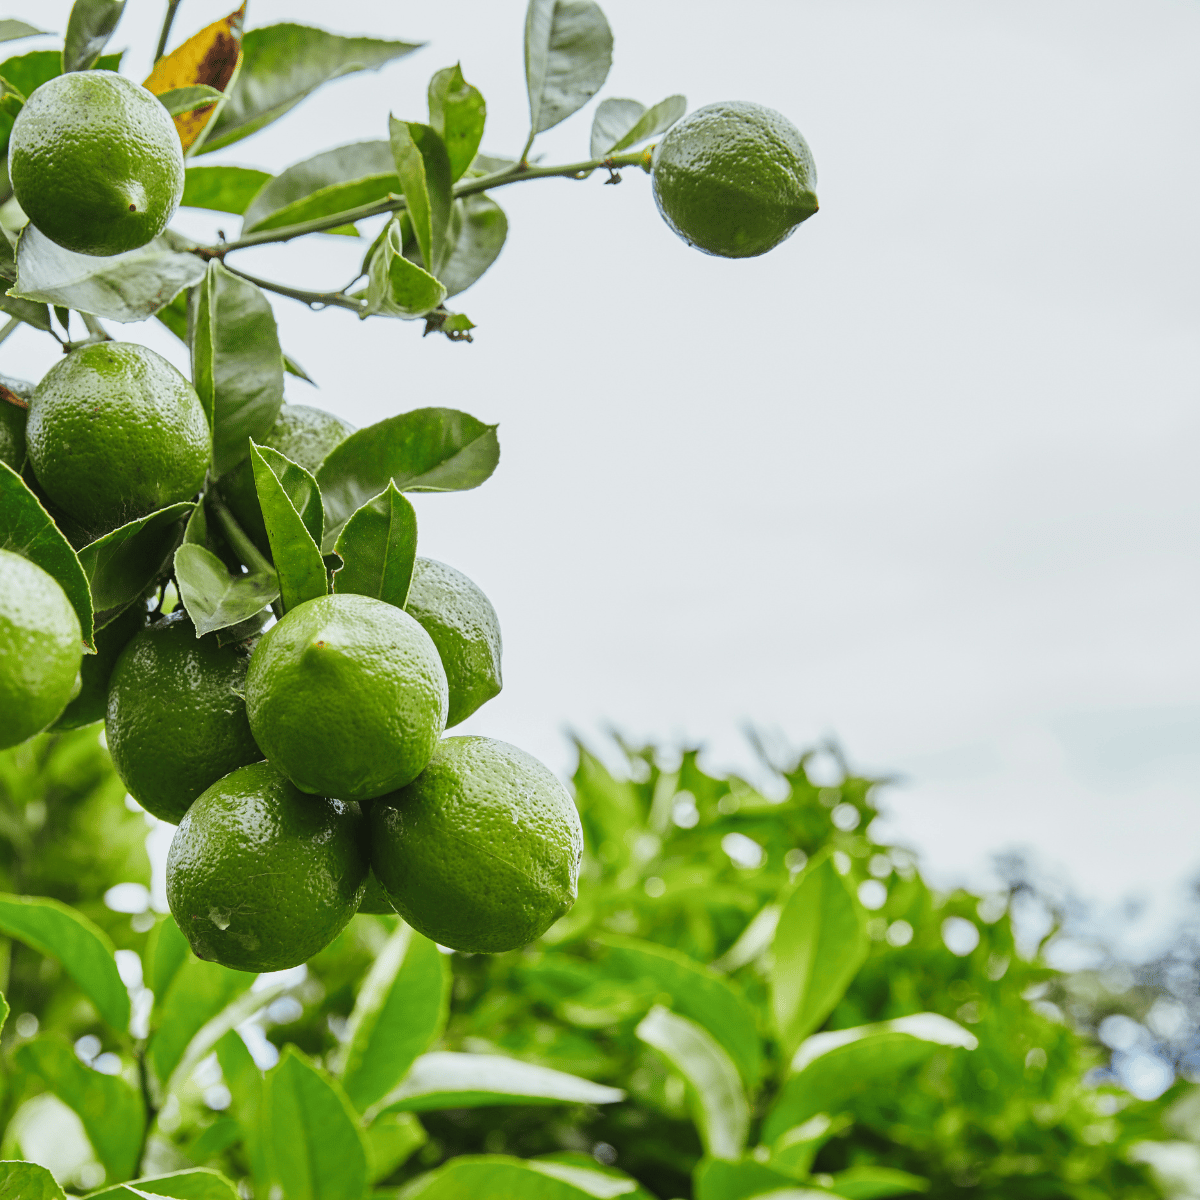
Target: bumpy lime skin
[
  {"x": 176, "y": 721},
  {"x": 41, "y": 646},
  {"x": 96, "y": 162},
  {"x": 303, "y": 434},
  {"x": 481, "y": 851},
  {"x": 347, "y": 696},
  {"x": 734, "y": 179},
  {"x": 260, "y": 876},
  {"x": 96, "y": 670},
  {"x": 453, "y": 610},
  {"x": 114, "y": 433}
]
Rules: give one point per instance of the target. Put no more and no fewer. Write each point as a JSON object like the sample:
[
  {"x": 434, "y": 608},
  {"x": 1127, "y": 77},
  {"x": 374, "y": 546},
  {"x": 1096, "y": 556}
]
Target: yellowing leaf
[{"x": 210, "y": 57}]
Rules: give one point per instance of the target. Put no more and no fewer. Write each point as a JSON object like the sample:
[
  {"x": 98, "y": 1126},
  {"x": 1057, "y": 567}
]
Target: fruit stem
[
  {"x": 245, "y": 549},
  {"x": 168, "y": 21}
]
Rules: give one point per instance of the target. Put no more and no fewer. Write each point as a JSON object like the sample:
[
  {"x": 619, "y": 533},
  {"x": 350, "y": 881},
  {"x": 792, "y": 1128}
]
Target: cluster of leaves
[{"x": 752, "y": 995}]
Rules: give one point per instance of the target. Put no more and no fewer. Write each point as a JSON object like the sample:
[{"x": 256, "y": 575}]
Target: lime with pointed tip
[
  {"x": 463, "y": 625},
  {"x": 347, "y": 696},
  {"x": 176, "y": 718},
  {"x": 96, "y": 162},
  {"x": 303, "y": 434},
  {"x": 481, "y": 851},
  {"x": 96, "y": 670},
  {"x": 261, "y": 876},
  {"x": 734, "y": 179},
  {"x": 116, "y": 432},
  {"x": 41, "y": 646}
]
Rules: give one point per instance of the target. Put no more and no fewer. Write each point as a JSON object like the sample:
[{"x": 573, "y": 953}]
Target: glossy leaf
[
  {"x": 820, "y": 943},
  {"x": 718, "y": 1101},
  {"x": 479, "y": 229},
  {"x": 584, "y": 1172},
  {"x": 297, "y": 555},
  {"x": 26, "y": 528},
  {"x": 620, "y": 124},
  {"x": 874, "y": 1183},
  {"x": 4, "y": 1012},
  {"x": 188, "y": 99},
  {"x": 400, "y": 1009},
  {"x": 222, "y": 189},
  {"x": 719, "y": 1179},
  {"x": 284, "y": 63},
  {"x": 426, "y": 450},
  {"x": 445, "y": 1079},
  {"x": 457, "y": 112},
  {"x": 245, "y": 1083},
  {"x": 199, "y": 1183},
  {"x": 568, "y": 52},
  {"x": 26, "y": 1180},
  {"x": 423, "y": 168},
  {"x": 485, "y": 1177},
  {"x": 378, "y": 546},
  {"x": 89, "y": 28},
  {"x": 397, "y": 287},
  {"x": 11, "y": 30},
  {"x": 166, "y": 951},
  {"x": 237, "y": 365},
  {"x": 122, "y": 564},
  {"x": 210, "y": 58},
  {"x": 391, "y": 1140},
  {"x": 124, "y": 287},
  {"x": 214, "y": 598},
  {"x": 332, "y": 182},
  {"x": 695, "y": 992},
  {"x": 111, "y": 1110},
  {"x": 313, "y": 1145}
]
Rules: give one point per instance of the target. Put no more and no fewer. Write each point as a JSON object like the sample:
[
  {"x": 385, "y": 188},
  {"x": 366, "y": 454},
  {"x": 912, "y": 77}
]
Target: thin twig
[
  {"x": 10, "y": 327},
  {"x": 316, "y": 300},
  {"x": 168, "y": 21}
]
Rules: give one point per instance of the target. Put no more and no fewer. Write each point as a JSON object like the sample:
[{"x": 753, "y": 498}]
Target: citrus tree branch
[
  {"x": 312, "y": 299},
  {"x": 168, "y": 21}
]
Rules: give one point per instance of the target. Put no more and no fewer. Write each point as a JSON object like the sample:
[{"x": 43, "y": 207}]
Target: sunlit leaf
[
  {"x": 198, "y": 1183},
  {"x": 222, "y": 189},
  {"x": 378, "y": 546},
  {"x": 26, "y": 1180},
  {"x": 89, "y": 28},
  {"x": 391, "y": 1140},
  {"x": 568, "y": 52},
  {"x": 492, "y": 1176},
  {"x": 457, "y": 112},
  {"x": 875, "y": 1183}
]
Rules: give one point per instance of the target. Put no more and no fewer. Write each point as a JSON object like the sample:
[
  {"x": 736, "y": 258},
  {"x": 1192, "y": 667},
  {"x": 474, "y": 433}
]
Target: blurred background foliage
[{"x": 684, "y": 879}]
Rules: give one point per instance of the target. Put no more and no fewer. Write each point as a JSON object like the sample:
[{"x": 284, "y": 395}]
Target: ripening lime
[
  {"x": 261, "y": 876},
  {"x": 96, "y": 162},
  {"x": 41, "y": 646},
  {"x": 96, "y": 671},
  {"x": 347, "y": 696},
  {"x": 734, "y": 179},
  {"x": 463, "y": 624},
  {"x": 481, "y": 851},
  {"x": 306, "y": 436},
  {"x": 114, "y": 433},
  {"x": 176, "y": 720}
]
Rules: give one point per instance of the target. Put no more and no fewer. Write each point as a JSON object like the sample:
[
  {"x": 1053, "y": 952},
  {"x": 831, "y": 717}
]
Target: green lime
[
  {"x": 116, "y": 432},
  {"x": 176, "y": 719},
  {"x": 305, "y": 435},
  {"x": 260, "y": 876},
  {"x": 41, "y": 646},
  {"x": 463, "y": 624},
  {"x": 97, "y": 669},
  {"x": 481, "y": 851},
  {"x": 96, "y": 162},
  {"x": 734, "y": 179},
  {"x": 12, "y": 431},
  {"x": 347, "y": 696}
]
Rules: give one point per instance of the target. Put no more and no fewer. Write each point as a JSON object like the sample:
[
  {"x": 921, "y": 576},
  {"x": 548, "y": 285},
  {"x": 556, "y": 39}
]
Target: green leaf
[
  {"x": 718, "y": 1101},
  {"x": 400, "y": 1009},
  {"x": 820, "y": 943},
  {"x": 237, "y": 365},
  {"x": 333, "y": 182},
  {"x": 423, "y": 168},
  {"x": 391, "y": 1140},
  {"x": 292, "y": 367},
  {"x": 166, "y": 952},
  {"x": 37, "y": 315},
  {"x": 26, "y": 528},
  {"x": 829, "y": 1069},
  {"x": 492, "y": 1176},
  {"x": 123, "y": 563},
  {"x": 584, "y": 1172},
  {"x": 11, "y": 101},
  {"x": 53, "y": 929},
  {"x": 222, "y": 189},
  {"x": 281, "y": 65},
  {"x": 568, "y": 51},
  {"x": 111, "y": 1110},
  {"x": 89, "y": 27},
  {"x": 124, "y": 287},
  {"x": 457, "y": 112},
  {"x": 478, "y": 228},
  {"x": 314, "y": 1148},
  {"x": 445, "y": 1079},
  {"x": 26, "y": 1180},
  {"x": 378, "y": 546},
  {"x": 245, "y": 1083},
  {"x": 198, "y": 1183},
  {"x": 696, "y": 992},
  {"x": 214, "y": 598},
  {"x": 426, "y": 450},
  {"x": 874, "y": 1183},
  {"x": 4, "y": 1011},
  {"x": 186, "y": 99},
  {"x": 287, "y": 495},
  {"x": 716, "y": 1179},
  {"x": 198, "y": 991},
  {"x": 397, "y": 287},
  {"x": 11, "y": 31},
  {"x": 620, "y": 124}
]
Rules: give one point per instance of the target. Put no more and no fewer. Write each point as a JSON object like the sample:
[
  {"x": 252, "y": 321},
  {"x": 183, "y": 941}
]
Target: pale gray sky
[{"x": 923, "y": 478}]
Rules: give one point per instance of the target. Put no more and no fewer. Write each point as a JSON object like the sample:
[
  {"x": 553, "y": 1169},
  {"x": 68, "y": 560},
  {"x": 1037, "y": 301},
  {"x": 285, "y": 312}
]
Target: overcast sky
[{"x": 923, "y": 479}]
